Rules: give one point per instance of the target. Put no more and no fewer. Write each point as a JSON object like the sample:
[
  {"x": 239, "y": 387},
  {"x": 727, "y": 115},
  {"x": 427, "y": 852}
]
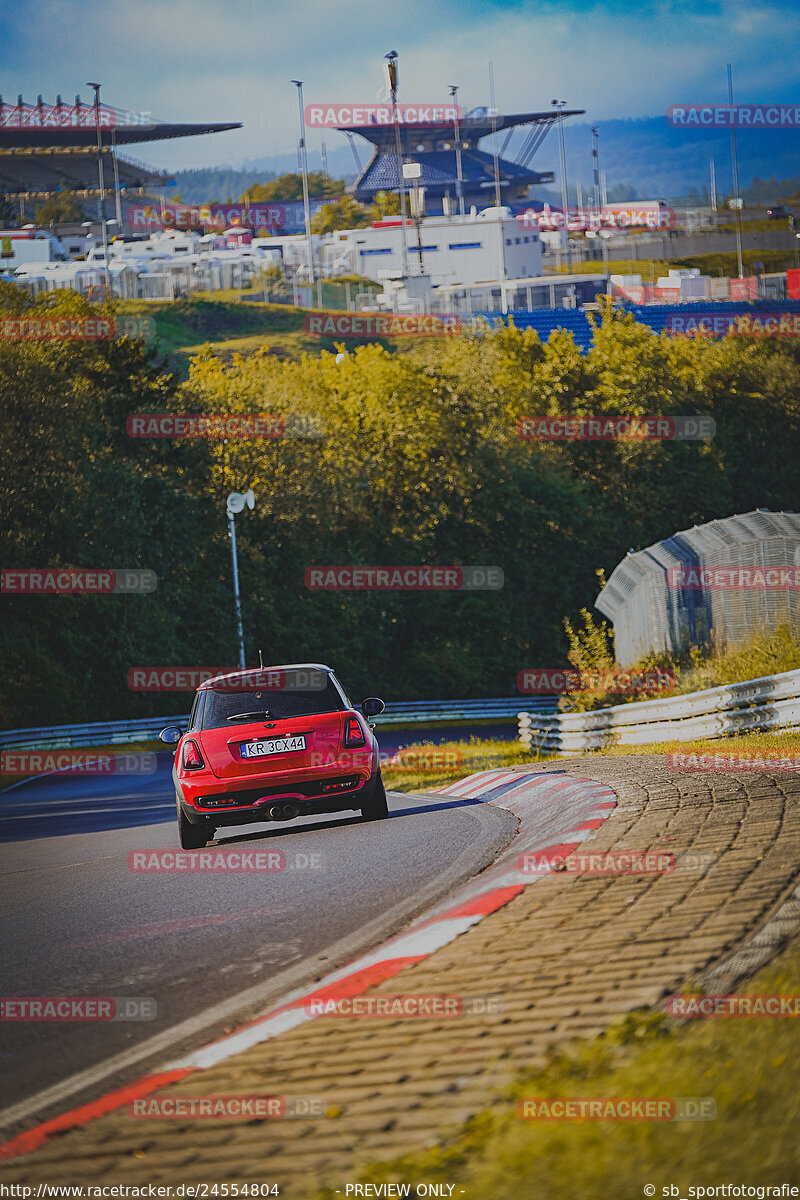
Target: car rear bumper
[{"x": 245, "y": 805}]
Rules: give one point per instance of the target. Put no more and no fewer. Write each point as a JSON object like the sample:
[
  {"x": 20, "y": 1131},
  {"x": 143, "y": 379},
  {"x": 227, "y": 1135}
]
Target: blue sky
[{"x": 188, "y": 60}]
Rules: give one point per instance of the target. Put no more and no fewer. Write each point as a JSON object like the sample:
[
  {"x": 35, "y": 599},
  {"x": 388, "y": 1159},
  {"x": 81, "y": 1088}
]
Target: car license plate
[{"x": 281, "y": 745}]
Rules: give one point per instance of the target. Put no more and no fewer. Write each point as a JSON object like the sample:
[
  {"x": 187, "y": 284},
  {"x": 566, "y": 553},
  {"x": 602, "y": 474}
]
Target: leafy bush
[{"x": 419, "y": 464}]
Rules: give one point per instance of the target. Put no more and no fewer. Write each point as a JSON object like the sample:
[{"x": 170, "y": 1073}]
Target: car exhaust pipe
[{"x": 283, "y": 812}]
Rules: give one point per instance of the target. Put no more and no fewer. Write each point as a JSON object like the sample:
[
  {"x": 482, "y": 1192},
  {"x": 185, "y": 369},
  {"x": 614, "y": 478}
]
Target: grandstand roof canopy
[
  {"x": 44, "y": 147},
  {"x": 55, "y": 138},
  {"x": 476, "y": 123},
  {"x": 431, "y": 144}
]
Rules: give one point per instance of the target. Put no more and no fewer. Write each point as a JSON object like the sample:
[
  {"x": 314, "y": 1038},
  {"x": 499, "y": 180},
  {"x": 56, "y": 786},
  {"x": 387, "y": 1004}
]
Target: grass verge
[
  {"x": 762, "y": 744},
  {"x": 183, "y": 327},
  {"x": 425, "y": 767},
  {"x": 746, "y": 1066},
  {"x": 709, "y": 264}
]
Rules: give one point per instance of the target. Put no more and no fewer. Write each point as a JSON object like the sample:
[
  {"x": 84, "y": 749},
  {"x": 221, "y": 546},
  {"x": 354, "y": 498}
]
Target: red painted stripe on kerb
[
  {"x": 344, "y": 987},
  {"x": 481, "y": 906},
  {"x": 359, "y": 981},
  {"x": 32, "y": 1139},
  {"x": 559, "y": 850}
]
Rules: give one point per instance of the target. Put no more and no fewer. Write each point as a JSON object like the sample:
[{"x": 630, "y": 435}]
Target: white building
[
  {"x": 691, "y": 284},
  {"x": 455, "y": 250},
  {"x": 21, "y": 247}
]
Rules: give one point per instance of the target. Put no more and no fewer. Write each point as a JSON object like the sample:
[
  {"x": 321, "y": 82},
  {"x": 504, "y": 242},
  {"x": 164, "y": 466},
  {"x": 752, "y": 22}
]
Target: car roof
[{"x": 208, "y": 683}]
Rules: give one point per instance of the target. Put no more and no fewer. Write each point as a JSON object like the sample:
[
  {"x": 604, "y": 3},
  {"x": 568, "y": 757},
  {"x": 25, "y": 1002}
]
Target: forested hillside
[{"x": 419, "y": 463}]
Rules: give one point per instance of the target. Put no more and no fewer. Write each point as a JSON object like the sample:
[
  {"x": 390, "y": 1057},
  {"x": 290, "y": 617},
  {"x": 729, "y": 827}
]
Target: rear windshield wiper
[{"x": 246, "y": 716}]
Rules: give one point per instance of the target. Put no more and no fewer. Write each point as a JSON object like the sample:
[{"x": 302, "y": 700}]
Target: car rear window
[{"x": 285, "y": 702}]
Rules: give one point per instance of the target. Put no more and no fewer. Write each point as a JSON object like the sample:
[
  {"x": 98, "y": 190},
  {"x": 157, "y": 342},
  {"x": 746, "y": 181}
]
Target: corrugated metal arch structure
[{"x": 652, "y": 611}]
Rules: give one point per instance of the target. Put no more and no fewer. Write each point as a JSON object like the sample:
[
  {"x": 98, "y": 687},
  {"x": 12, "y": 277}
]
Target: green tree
[
  {"x": 386, "y": 204},
  {"x": 346, "y": 213},
  {"x": 60, "y": 208},
  {"x": 417, "y": 462},
  {"x": 288, "y": 188},
  {"x": 80, "y": 492}
]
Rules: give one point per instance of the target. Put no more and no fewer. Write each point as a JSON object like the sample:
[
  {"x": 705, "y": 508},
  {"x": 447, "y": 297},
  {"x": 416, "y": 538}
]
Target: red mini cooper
[{"x": 272, "y": 744}]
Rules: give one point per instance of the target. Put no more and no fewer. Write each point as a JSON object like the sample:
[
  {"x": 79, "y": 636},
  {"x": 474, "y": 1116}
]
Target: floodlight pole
[
  {"x": 564, "y": 188},
  {"x": 735, "y": 172},
  {"x": 304, "y": 170},
  {"x": 391, "y": 59},
  {"x": 498, "y": 199},
  {"x": 236, "y": 596},
  {"x": 117, "y": 197},
  {"x": 459, "y": 176},
  {"x": 596, "y": 167},
  {"x": 236, "y": 503},
  {"x": 102, "y": 201}
]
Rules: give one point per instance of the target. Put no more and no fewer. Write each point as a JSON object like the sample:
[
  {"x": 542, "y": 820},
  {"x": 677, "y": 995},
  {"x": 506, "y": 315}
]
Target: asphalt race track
[
  {"x": 52, "y": 805},
  {"x": 212, "y": 950}
]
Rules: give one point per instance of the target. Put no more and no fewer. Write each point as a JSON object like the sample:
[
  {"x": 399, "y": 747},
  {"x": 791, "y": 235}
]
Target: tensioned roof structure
[
  {"x": 44, "y": 147},
  {"x": 432, "y": 145}
]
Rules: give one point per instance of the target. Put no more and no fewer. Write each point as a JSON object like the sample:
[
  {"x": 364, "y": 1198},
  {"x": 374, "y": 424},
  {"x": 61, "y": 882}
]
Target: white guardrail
[
  {"x": 757, "y": 704},
  {"x": 145, "y": 729}
]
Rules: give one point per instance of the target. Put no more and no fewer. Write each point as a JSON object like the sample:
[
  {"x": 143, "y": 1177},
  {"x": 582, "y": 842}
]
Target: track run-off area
[{"x": 432, "y": 901}]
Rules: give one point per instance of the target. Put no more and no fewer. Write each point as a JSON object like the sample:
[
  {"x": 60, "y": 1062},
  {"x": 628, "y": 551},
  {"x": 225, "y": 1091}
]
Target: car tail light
[
  {"x": 353, "y": 733},
  {"x": 192, "y": 758}
]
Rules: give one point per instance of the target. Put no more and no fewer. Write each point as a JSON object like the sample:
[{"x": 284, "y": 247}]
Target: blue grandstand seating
[{"x": 576, "y": 322}]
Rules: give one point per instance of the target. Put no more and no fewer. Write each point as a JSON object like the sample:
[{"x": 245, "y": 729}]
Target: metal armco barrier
[
  {"x": 143, "y": 729},
  {"x": 772, "y": 702}
]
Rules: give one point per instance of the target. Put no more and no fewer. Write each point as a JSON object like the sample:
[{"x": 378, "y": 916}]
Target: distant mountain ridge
[{"x": 643, "y": 157}]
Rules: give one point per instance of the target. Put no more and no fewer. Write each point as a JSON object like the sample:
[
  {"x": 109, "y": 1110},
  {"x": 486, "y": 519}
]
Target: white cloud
[{"x": 191, "y": 60}]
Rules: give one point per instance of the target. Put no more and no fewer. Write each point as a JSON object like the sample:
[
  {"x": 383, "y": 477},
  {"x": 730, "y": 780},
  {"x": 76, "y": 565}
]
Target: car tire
[
  {"x": 193, "y": 837},
  {"x": 376, "y": 808}
]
